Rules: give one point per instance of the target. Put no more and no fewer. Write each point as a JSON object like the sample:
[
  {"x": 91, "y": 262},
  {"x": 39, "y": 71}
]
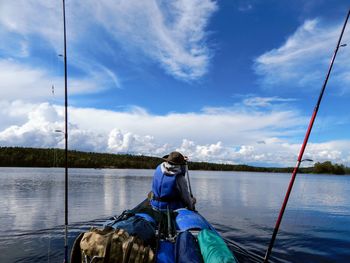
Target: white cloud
[
  {"x": 126, "y": 142},
  {"x": 200, "y": 127},
  {"x": 13, "y": 113},
  {"x": 85, "y": 140},
  {"x": 39, "y": 125},
  {"x": 27, "y": 17},
  {"x": 264, "y": 101},
  {"x": 204, "y": 152},
  {"x": 20, "y": 81},
  {"x": 37, "y": 131},
  {"x": 302, "y": 61},
  {"x": 331, "y": 150},
  {"x": 170, "y": 33},
  {"x": 223, "y": 135}
]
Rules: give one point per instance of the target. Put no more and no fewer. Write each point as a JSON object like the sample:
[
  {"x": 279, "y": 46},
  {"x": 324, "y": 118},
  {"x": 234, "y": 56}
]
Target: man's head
[{"x": 175, "y": 158}]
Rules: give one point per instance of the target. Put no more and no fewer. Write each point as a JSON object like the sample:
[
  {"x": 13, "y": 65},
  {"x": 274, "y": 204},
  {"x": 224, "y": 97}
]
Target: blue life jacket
[{"x": 165, "y": 192}]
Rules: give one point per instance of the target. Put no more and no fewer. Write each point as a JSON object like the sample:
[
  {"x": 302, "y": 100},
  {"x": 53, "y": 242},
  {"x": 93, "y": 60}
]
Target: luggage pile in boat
[{"x": 147, "y": 235}]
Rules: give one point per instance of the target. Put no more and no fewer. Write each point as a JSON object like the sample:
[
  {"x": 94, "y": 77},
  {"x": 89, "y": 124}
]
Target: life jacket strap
[{"x": 164, "y": 199}]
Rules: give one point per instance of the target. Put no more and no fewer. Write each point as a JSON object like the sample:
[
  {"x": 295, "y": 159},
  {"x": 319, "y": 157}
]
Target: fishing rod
[
  {"x": 65, "y": 138},
  {"x": 189, "y": 182},
  {"x": 295, "y": 171}
]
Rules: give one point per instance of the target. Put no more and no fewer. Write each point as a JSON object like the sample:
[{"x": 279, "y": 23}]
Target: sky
[{"x": 228, "y": 81}]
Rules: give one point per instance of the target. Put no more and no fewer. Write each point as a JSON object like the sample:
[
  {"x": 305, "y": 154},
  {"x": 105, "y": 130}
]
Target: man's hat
[{"x": 175, "y": 158}]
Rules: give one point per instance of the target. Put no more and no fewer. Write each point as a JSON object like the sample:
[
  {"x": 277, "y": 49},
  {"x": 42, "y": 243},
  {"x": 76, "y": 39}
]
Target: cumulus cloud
[
  {"x": 126, "y": 142},
  {"x": 228, "y": 125},
  {"x": 224, "y": 135},
  {"x": 204, "y": 152},
  {"x": 303, "y": 59},
  {"x": 42, "y": 125},
  {"x": 36, "y": 131}
]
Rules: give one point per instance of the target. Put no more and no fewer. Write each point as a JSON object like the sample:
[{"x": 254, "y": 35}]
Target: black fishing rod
[
  {"x": 295, "y": 171},
  {"x": 65, "y": 138},
  {"x": 189, "y": 182}
]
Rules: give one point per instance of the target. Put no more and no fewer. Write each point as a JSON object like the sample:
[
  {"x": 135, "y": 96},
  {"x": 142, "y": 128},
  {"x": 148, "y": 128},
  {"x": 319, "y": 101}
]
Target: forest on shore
[{"x": 39, "y": 157}]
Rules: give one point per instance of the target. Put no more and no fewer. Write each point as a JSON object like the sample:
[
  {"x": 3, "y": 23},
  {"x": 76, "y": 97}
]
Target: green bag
[{"x": 214, "y": 248}]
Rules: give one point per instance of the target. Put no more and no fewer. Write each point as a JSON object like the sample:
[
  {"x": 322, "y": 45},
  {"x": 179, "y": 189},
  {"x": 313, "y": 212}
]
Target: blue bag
[
  {"x": 187, "y": 220},
  {"x": 187, "y": 249},
  {"x": 165, "y": 253},
  {"x": 137, "y": 226}
]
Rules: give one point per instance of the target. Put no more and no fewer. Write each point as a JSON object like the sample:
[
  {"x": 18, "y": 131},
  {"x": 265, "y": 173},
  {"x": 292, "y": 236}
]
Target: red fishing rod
[{"x": 296, "y": 168}]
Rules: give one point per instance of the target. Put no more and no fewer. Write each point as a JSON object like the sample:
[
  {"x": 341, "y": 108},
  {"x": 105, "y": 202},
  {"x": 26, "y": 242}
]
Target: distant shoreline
[{"x": 41, "y": 157}]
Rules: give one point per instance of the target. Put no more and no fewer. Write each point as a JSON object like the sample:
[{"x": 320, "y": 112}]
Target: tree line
[{"x": 39, "y": 157}]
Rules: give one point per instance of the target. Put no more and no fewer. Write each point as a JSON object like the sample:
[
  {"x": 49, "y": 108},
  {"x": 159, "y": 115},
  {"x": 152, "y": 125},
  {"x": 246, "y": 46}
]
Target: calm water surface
[{"x": 242, "y": 206}]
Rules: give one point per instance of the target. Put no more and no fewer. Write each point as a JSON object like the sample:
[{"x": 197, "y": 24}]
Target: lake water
[{"x": 242, "y": 206}]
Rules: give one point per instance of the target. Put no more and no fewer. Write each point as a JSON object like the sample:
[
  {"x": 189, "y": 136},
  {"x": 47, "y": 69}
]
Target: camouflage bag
[
  {"x": 96, "y": 245},
  {"x": 134, "y": 251},
  {"x": 110, "y": 245}
]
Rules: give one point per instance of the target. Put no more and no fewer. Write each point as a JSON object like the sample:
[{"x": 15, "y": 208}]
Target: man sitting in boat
[{"x": 169, "y": 188}]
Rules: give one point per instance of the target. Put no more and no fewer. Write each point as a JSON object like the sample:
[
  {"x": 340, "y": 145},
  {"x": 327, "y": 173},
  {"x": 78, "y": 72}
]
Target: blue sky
[{"x": 224, "y": 81}]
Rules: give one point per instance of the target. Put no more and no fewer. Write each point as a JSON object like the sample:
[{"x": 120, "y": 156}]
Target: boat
[{"x": 151, "y": 235}]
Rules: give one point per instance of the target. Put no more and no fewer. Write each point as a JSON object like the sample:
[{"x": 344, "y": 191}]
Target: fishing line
[
  {"x": 243, "y": 251},
  {"x": 298, "y": 212},
  {"x": 321, "y": 127},
  {"x": 189, "y": 182},
  {"x": 306, "y": 138},
  {"x": 49, "y": 249}
]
